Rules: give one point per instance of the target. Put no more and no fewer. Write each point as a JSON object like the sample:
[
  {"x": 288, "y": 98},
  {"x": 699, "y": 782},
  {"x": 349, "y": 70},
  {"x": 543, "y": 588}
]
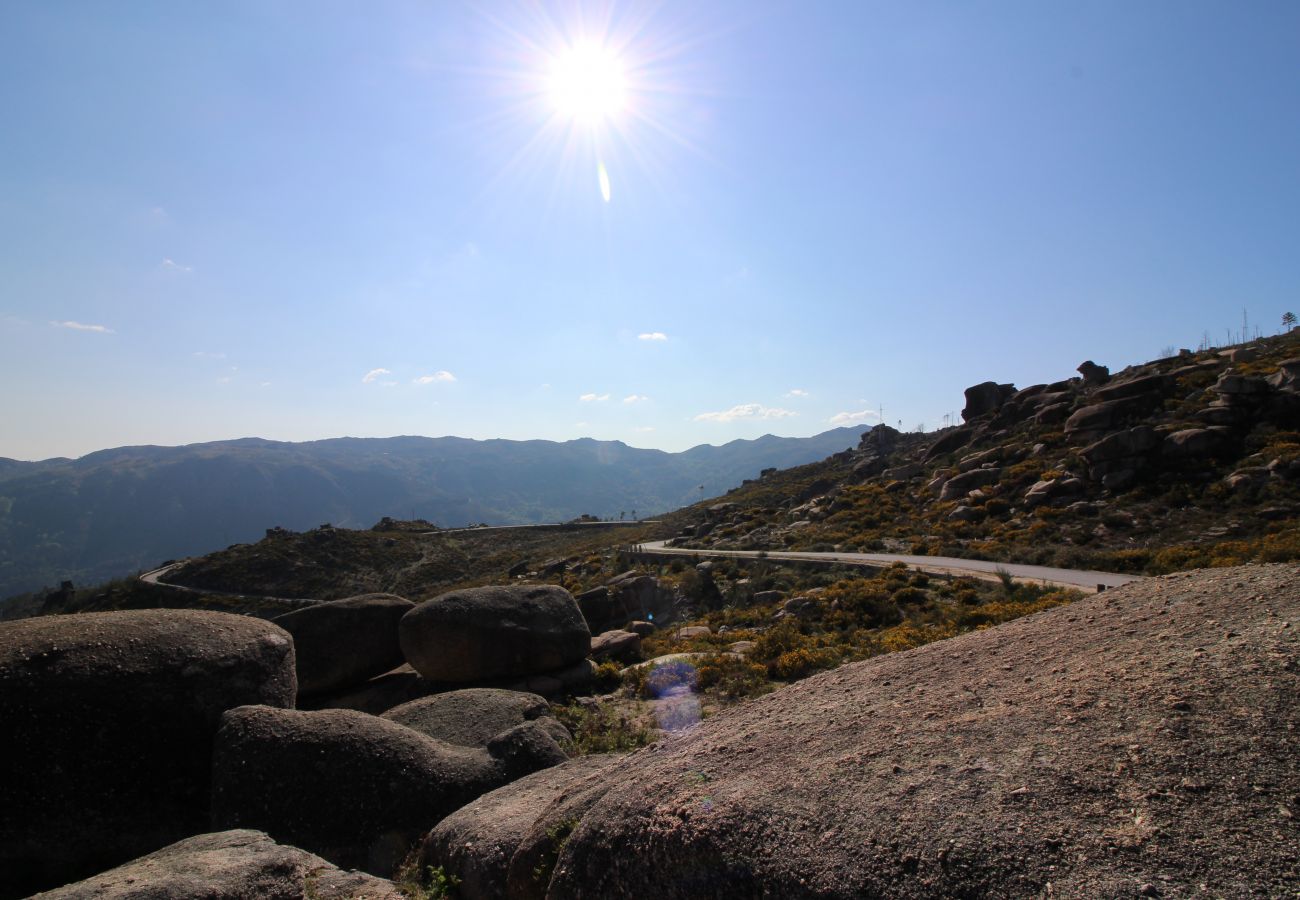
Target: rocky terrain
[
  {"x": 1142, "y": 742},
  {"x": 408, "y": 712},
  {"x": 1193, "y": 460}
]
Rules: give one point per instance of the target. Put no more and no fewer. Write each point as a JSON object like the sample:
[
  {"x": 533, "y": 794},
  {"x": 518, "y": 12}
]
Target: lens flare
[{"x": 604, "y": 181}]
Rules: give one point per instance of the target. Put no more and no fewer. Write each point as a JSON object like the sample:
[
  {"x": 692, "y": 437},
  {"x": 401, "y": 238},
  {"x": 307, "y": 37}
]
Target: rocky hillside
[
  {"x": 1187, "y": 461},
  {"x": 1141, "y": 742}
]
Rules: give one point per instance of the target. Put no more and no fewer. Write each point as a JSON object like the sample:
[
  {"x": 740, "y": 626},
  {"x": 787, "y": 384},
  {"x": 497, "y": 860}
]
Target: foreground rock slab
[
  {"x": 1140, "y": 742},
  {"x": 108, "y": 726},
  {"x": 344, "y": 642},
  {"x": 229, "y": 865},
  {"x": 478, "y": 842},
  {"x": 356, "y": 789},
  {"x": 495, "y": 632}
]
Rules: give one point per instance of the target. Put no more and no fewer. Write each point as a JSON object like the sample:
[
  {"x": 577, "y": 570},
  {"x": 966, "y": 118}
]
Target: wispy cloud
[
  {"x": 594, "y": 398},
  {"x": 644, "y": 429},
  {"x": 374, "y": 375},
  {"x": 797, "y": 392},
  {"x": 851, "y": 418},
  {"x": 173, "y": 266},
  {"x": 440, "y": 375},
  {"x": 635, "y": 398},
  {"x": 225, "y": 379},
  {"x": 745, "y": 411},
  {"x": 208, "y": 354},
  {"x": 80, "y": 326},
  {"x": 652, "y": 336}
]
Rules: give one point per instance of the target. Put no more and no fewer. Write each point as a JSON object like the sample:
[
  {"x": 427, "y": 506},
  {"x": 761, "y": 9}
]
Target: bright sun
[{"x": 586, "y": 83}]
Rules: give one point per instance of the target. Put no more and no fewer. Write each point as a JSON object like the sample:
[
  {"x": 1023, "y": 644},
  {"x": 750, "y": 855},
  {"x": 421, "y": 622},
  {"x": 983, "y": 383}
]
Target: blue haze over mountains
[{"x": 115, "y": 511}]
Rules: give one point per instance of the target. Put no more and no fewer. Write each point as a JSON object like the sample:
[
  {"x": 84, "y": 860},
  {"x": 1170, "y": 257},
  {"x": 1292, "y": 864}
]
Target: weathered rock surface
[
  {"x": 344, "y": 642},
  {"x": 354, "y": 788},
  {"x": 473, "y": 716},
  {"x": 228, "y": 865},
  {"x": 626, "y": 597},
  {"x": 1144, "y": 736},
  {"x": 961, "y": 485},
  {"x": 1092, "y": 373},
  {"x": 982, "y": 399},
  {"x": 477, "y": 842},
  {"x": 494, "y": 632},
  {"x": 108, "y": 721},
  {"x": 616, "y": 644}
]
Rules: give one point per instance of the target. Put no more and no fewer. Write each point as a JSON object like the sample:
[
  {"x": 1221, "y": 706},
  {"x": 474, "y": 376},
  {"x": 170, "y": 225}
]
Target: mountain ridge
[{"x": 119, "y": 509}]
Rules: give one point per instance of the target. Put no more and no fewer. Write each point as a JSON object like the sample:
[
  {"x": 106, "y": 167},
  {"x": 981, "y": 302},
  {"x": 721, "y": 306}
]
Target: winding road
[{"x": 937, "y": 565}]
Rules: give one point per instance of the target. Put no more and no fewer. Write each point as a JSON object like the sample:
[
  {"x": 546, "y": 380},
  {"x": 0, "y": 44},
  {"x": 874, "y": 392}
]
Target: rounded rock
[
  {"x": 109, "y": 721},
  {"x": 494, "y": 632}
]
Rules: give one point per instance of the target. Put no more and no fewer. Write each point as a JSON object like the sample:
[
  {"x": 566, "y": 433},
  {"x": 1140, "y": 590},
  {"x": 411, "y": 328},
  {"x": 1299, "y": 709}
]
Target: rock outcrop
[
  {"x": 354, "y": 788},
  {"x": 985, "y": 398},
  {"x": 477, "y": 843},
  {"x": 109, "y": 719},
  {"x": 474, "y": 716},
  {"x": 494, "y": 632},
  {"x": 1139, "y": 742},
  {"x": 228, "y": 865},
  {"x": 344, "y": 642}
]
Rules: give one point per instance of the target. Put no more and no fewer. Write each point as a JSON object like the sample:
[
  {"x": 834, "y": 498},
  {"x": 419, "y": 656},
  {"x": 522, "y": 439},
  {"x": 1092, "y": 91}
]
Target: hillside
[
  {"x": 1188, "y": 461},
  {"x": 117, "y": 511}
]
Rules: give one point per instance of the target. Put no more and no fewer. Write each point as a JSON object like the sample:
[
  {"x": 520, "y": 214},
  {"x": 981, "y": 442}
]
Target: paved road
[
  {"x": 152, "y": 578},
  {"x": 939, "y": 565}
]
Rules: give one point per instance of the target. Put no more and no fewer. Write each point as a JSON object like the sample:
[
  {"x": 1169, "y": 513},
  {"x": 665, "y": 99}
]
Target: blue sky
[{"x": 303, "y": 220}]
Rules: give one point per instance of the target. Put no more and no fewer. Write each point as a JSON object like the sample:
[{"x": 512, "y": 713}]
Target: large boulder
[
  {"x": 1148, "y": 387},
  {"x": 378, "y": 695},
  {"x": 228, "y": 865},
  {"x": 616, "y": 644},
  {"x": 477, "y": 842},
  {"x": 1092, "y": 373},
  {"x": 1139, "y": 742},
  {"x": 494, "y": 632},
  {"x": 109, "y": 719},
  {"x": 354, "y": 788},
  {"x": 961, "y": 485},
  {"x": 626, "y": 597},
  {"x": 473, "y": 716},
  {"x": 1099, "y": 418},
  {"x": 345, "y": 642},
  {"x": 953, "y": 440},
  {"x": 985, "y": 398}
]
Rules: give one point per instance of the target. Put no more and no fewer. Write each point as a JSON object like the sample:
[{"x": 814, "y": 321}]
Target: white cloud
[
  {"x": 644, "y": 428},
  {"x": 745, "y": 411},
  {"x": 440, "y": 375},
  {"x": 797, "y": 392},
  {"x": 207, "y": 354},
  {"x": 78, "y": 326},
  {"x": 853, "y": 418},
  {"x": 265, "y": 384},
  {"x": 598, "y": 398},
  {"x": 652, "y": 336},
  {"x": 373, "y": 375},
  {"x": 175, "y": 266},
  {"x": 224, "y": 379},
  {"x": 635, "y": 398}
]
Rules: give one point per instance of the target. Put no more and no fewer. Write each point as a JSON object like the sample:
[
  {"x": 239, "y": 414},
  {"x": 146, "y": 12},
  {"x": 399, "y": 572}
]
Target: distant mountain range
[{"x": 115, "y": 511}]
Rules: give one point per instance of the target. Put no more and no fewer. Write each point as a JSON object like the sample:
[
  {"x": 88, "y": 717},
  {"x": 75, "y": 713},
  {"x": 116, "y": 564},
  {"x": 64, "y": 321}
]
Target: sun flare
[{"x": 586, "y": 83}]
